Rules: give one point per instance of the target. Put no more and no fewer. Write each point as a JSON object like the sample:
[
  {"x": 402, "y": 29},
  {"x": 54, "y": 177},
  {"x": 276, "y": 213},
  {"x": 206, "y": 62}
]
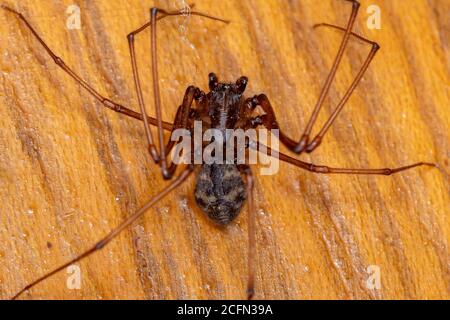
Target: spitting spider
[{"x": 221, "y": 189}]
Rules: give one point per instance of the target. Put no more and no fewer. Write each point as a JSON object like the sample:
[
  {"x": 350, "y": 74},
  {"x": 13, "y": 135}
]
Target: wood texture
[{"x": 70, "y": 170}]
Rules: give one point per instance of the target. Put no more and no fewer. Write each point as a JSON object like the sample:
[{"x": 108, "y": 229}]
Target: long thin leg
[
  {"x": 137, "y": 84},
  {"x": 305, "y": 137},
  {"x": 328, "y": 170},
  {"x": 105, "y": 101},
  {"x": 269, "y": 119},
  {"x": 375, "y": 47},
  {"x": 251, "y": 230},
  {"x": 102, "y": 243},
  {"x": 157, "y": 96}
]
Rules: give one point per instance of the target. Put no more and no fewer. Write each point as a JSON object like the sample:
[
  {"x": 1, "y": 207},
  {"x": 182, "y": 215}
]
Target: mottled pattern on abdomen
[{"x": 220, "y": 192}]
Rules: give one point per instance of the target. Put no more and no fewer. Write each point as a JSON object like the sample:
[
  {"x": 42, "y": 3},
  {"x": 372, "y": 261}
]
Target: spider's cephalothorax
[
  {"x": 224, "y": 102},
  {"x": 220, "y": 191}
]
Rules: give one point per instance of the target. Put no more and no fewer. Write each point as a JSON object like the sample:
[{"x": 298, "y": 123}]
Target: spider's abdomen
[{"x": 220, "y": 192}]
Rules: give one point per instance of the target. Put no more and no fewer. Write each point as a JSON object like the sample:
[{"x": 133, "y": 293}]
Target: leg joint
[
  {"x": 355, "y": 4},
  {"x": 154, "y": 11},
  {"x": 167, "y": 175},
  {"x": 100, "y": 244},
  {"x": 318, "y": 169},
  {"x": 58, "y": 61},
  {"x": 111, "y": 105}
]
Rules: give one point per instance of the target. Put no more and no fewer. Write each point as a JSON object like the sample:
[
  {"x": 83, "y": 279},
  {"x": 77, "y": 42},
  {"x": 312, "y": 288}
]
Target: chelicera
[{"x": 221, "y": 189}]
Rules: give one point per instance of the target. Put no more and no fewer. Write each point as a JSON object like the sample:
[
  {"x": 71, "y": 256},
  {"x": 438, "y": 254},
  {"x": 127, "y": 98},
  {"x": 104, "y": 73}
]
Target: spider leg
[
  {"x": 157, "y": 97},
  {"x": 114, "y": 233},
  {"x": 269, "y": 120},
  {"x": 304, "y": 140},
  {"x": 105, "y": 101},
  {"x": 329, "y": 170},
  {"x": 245, "y": 169},
  {"x": 137, "y": 84},
  {"x": 375, "y": 47},
  {"x": 182, "y": 120}
]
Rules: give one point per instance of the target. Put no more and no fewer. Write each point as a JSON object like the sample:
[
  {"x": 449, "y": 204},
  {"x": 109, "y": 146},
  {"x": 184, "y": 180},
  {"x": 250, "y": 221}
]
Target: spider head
[{"x": 227, "y": 88}]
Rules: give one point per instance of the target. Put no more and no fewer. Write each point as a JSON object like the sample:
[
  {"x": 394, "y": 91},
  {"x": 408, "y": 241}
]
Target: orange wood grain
[{"x": 70, "y": 170}]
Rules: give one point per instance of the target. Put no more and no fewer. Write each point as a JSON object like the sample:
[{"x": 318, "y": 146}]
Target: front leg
[
  {"x": 106, "y": 102},
  {"x": 268, "y": 120},
  {"x": 304, "y": 144},
  {"x": 183, "y": 120}
]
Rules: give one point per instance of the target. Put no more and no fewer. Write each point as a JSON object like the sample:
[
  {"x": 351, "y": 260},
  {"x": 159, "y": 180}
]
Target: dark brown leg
[
  {"x": 182, "y": 120},
  {"x": 375, "y": 47},
  {"x": 99, "y": 245},
  {"x": 245, "y": 169},
  {"x": 328, "y": 170},
  {"x": 305, "y": 137},
  {"x": 105, "y": 101},
  {"x": 269, "y": 119},
  {"x": 154, "y": 13},
  {"x": 137, "y": 84}
]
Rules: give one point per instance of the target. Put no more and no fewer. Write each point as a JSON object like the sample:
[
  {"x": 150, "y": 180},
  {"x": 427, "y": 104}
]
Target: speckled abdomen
[{"x": 220, "y": 192}]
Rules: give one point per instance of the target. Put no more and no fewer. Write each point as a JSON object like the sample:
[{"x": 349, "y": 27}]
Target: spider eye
[
  {"x": 213, "y": 81},
  {"x": 241, "y": 84}
]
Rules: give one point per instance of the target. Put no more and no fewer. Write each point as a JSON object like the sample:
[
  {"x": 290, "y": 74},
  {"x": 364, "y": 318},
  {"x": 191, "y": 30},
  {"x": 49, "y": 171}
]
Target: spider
[{"x": 221, "y": 189}]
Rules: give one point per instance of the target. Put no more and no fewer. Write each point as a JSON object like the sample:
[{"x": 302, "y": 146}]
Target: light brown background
[{"x": 70, "y": 170}]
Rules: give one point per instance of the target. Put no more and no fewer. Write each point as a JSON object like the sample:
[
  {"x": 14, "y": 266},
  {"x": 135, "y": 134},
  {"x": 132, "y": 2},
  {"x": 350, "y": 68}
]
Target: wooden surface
[{"x": 70, "y": 170}]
